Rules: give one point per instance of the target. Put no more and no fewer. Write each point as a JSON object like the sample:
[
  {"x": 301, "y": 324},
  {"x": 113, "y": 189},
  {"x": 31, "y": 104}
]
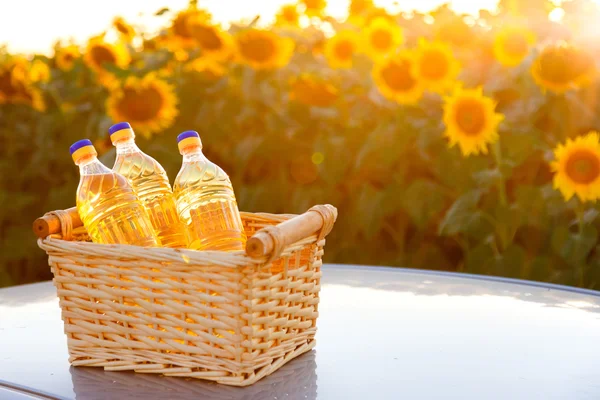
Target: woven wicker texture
[
  {"x": 220, "y": 316},
  {"x": 294, "y": 381}
]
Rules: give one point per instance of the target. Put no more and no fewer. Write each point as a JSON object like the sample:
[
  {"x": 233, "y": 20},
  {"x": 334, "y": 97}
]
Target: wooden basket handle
[
  {"x": 271, "y": 240},
  {"x": 60, "y": 221}
]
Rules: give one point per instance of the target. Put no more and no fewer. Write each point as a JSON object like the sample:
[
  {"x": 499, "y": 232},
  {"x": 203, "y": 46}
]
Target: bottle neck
[
  {"x": 90, "y": 165},
  {"x": 127, "y": 145},
  {"x": 193, "y": 153}
]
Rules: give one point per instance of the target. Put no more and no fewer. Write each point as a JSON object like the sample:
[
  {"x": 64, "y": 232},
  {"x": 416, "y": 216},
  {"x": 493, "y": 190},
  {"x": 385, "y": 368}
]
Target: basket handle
[
  {"x": 60, "y": 221},
  {"x": 271, "y": 240}
]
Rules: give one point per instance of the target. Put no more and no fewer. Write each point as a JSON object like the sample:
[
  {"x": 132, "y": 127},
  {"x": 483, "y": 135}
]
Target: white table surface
[{"x": 383, "y": 333}]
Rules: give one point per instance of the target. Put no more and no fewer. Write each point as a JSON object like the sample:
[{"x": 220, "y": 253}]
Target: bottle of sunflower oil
[
  {"x": 205, "y": 200},
  {"x": 107, "y": 204},
  {"x": 150, "y": 181}
]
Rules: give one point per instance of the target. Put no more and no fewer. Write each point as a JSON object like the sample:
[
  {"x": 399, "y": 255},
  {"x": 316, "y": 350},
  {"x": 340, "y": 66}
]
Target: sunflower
[
  {"x": 381, "y": 38},
  {"x": 471, "y": 121},
  {"x": 563, "y": 67},
  {"x": 577, "y": 167},
  {"x": 180, "y": 32},
  {"x": 436, "y": 66},
  {"x": 313, "y": 91},
  {"x": 206, "y": 66},
  {"x": 212, "y": 40},
  {"x": 15, "y": 88},
  {"x": 395, "y": 79},
  {"x": 65, "y": 57},
  {"x": 30, "y": 72},
  {"x": 262, "y": 49},
  {"x": 100, "y": 53},
  {"x": 288, "y": 15},
  {"x": 148, "y": 103},
  {"x": 340, "y": 49},
  {"x": 39, "y": 72},
  {"x": 314, "y": 8},
  {"x": 360, "y": 12},
  {"x": 125, "y": 30},
  {"x": 512, "y": 44}
]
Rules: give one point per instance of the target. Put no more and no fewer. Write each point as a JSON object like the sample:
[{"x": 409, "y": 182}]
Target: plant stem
[
  {"x": 500, "y": 183},
  {"x": 580, "y": 211}
]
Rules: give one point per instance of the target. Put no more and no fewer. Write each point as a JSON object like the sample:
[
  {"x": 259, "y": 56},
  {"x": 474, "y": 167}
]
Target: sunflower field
[{"x": 449, "y": 142}]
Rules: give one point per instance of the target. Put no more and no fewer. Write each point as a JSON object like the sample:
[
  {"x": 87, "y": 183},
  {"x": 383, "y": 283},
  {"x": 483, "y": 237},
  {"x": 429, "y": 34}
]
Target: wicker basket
[{"x": 232, "y": 318}]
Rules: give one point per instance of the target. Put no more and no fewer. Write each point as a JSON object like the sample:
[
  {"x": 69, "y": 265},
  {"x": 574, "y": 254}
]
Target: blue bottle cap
[
  {"x": 79, "y": 144},
  {"x": 187, "y": 134},
  {"x": 118, "y": 127}
]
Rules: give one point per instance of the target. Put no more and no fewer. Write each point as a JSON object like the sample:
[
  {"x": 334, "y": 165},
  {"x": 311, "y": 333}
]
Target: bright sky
[{"x": 33, "y": 25}]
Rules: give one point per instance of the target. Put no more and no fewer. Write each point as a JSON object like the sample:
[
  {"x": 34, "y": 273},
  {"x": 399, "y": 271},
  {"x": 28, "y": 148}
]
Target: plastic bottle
[
  {"x": 205, "y": 200},
  {"x": 107, "y": 204},
  {"x": 151, "y": 184}
]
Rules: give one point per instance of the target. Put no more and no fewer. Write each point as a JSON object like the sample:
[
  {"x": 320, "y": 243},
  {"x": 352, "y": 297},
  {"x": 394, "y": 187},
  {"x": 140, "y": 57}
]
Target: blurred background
[{"x": 455, "y": 137}]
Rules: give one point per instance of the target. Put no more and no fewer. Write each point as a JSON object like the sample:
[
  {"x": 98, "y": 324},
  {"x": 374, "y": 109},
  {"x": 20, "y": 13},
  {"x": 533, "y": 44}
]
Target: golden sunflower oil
[
  {"x": 107, "y": 204},
  {"x": 205, "y": 200},
  {"x": 151, "y": 184}
]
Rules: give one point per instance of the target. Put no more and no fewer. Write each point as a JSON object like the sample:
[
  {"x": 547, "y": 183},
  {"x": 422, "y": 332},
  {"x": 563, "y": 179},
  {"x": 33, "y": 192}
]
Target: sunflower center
[
  {"x": 516, "y": 44},
  {"x": 180, "y": 25},
  {"x": 583, "y": 167},
  {"x": 434, "y": 65},
  {"x": 208, "y": 37},
  {"x": 555, "y": 67},
  {"x": 313, "y": 4},
  {"x": 381, "y": 39},
  {"x": 290, "y": 14},
  {"x": 142, "y": 104},
  {"x": 68, "y": 57},
  {"x": 470, "y": 116},
  {"x": 344, "y": 49},
  {"x": 258, "y": 48},
  {"x": 102, "y": 55},
  {"x": 397, "y": 76}
]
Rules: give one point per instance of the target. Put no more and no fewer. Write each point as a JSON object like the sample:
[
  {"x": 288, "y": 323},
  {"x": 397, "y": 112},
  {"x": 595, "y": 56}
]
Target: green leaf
[
  {"x": 370, "y": 213},
  {"x": 462, "y": 215},
  {"x": 482, "y": 260},
  {"x": 423, "y": 201},
  {"x": 162, "y": 11},
  {"x": 574, "y": 247},
  {"x": 487, "y": 177}
]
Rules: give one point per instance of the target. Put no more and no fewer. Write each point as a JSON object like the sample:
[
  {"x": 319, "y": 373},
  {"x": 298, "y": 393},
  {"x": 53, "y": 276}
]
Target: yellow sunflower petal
[
  {"x": 395, "y": 78},
  {"x": 577, "y": 167},
  {"x": 99, "y": 54},
  {"x": 471, "y": 122},
  {"x": 314, "y": 8},
  {"x": 381, "y": 37},
  {"x": 211, "y": 39},
  {"x": 288, "y": 16},
  {"x": 436, "y": 66},
  {"x": 341, "y": 48},
  {"x": 149, "y": 103},
  {"x": 65, "y": 57},
  {"x": 512, "y": 44},
  {"x": 262, "y": 49},
  {"x": 562, "y": 67}
]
